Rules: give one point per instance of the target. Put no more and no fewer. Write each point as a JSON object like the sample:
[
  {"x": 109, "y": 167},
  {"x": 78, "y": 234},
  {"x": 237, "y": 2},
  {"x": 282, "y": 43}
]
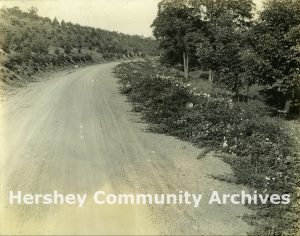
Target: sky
[{"x": 126, "y": 16}]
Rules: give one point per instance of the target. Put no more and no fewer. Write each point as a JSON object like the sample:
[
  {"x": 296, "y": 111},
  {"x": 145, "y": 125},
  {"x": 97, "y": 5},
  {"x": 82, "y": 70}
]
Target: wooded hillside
[{"x": 30, "y": 43}]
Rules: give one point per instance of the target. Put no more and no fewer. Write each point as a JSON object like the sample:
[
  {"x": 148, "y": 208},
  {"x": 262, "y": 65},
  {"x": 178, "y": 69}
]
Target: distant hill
[{"x": 30, "y": 43}]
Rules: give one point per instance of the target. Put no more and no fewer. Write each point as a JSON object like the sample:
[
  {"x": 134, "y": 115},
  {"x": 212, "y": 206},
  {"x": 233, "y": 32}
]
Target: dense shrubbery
[{"x": 263, "y": 154}]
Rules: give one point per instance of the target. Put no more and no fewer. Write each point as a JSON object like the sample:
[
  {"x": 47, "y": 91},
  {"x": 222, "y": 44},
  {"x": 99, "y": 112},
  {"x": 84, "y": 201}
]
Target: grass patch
[{"x": 262, "y": 149}]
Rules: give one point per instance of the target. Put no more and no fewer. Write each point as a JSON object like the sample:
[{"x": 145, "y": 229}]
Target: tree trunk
[
  {"x": 186, "y": 65},
  {"x": 248, "y": 95},
  {"x": 210, "y": 76},
  {"x": 237, "y": 95}
]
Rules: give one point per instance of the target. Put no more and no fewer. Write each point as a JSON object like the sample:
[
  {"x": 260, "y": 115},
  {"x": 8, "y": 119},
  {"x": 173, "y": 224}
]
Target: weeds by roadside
[{"x": 262, "y": 149}]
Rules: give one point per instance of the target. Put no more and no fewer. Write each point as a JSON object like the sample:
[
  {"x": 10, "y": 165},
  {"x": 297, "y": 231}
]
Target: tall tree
[
  {"x": 276, "y": 46},
  {"x": 33, "y": 11},
  {"x": 63, "y": 24},
  {"x": 224, "y": 40},
  {"x": 55, "y": 22},
  {"x": 175, "y": 27}
]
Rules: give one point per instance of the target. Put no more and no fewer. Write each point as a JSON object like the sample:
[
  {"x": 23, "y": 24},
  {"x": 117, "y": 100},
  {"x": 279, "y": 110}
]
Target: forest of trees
[
  {"x": 243, "y": 47},
  {"x": 30, "y": 43}
]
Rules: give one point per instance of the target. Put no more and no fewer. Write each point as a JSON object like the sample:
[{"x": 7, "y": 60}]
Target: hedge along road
[{"x": 75, "y": 133}]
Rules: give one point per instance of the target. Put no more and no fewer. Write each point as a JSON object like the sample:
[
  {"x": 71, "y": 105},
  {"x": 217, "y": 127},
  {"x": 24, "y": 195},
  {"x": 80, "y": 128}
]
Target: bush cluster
[{"x": 262, "y": 149}]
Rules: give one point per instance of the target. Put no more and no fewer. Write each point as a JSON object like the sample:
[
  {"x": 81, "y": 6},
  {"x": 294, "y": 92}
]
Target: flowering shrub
[{"x": 263, "y": 154}]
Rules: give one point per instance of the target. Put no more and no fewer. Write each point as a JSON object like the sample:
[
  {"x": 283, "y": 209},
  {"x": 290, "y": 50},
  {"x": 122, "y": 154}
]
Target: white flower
[
  {"x": 267, "y": 178},
  {"x": 190, "y": 105}
]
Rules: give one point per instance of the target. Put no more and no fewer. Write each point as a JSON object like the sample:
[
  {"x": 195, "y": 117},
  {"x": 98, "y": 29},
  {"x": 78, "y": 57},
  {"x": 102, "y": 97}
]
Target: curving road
[{"x": 75, "y": 134}]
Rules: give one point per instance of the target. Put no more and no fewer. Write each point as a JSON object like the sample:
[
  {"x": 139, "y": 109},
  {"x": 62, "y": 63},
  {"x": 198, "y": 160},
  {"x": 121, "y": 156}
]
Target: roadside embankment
[{"x": 261, "y": 150}]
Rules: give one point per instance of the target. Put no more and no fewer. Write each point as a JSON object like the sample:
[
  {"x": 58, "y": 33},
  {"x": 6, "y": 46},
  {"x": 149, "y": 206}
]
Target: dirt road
[{"x": 75, "y": 134}]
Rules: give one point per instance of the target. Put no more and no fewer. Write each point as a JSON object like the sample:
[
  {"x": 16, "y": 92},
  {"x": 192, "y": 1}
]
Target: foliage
[
  {"x": 275, "y": 44},
  {"x": 224, "y": 41},
  {"x": 208, "y": 31},
  {"x": 32, "y": 42},
  {"x": 175, "y": 27},
  {"x": 242, "y": 51},
  {"x": 262, "y": 149}
]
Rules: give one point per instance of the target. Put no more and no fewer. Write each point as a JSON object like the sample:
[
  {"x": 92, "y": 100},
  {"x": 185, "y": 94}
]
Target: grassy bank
[
  {"x": 262, "y": 150},
  {"x": 10, "y": 79}
]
